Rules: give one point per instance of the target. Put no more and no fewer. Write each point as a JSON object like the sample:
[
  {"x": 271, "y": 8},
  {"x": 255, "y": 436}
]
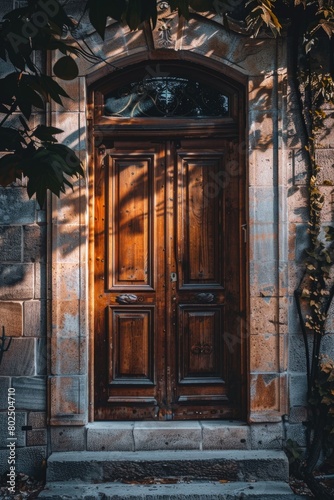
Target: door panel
[
  {"x": 201, "y": 387},
  {"x": 200, "y": 351},
  {"x": 132, "y": 346},
  {"x": 129, "y": 252},
  {"x": 199, "y": 220},
  {"x": 168, "y": 291},
  {"x": 130, "y": 237}
]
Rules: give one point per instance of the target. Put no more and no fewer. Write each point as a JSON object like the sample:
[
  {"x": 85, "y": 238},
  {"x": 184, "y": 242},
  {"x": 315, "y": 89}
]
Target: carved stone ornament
[{"x": 164, "y": 25}]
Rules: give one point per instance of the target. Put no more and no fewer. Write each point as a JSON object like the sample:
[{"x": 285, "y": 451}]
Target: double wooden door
[{"x": 169, "y": 280}]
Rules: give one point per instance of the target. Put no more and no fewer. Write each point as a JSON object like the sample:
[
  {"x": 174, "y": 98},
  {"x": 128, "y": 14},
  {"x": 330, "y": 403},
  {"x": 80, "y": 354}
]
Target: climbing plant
[
  {"x": 314, "y": 295},
  {"x": 313, "y": 85}
]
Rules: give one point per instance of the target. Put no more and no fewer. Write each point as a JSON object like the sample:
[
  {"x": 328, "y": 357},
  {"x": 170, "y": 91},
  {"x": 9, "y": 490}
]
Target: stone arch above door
[{"x": 235, "y": 57}]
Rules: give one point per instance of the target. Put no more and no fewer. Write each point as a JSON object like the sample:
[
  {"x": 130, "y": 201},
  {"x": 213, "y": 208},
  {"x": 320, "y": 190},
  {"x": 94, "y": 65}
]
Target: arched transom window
[{"x": 166, "y": 96}]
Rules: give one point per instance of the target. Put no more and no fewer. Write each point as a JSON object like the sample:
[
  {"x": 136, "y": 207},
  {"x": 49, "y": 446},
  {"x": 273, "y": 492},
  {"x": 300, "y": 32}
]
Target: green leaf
[
  {"x": 44, "y": 133},
  {"x": 66, "y": 68},
  {"x": 10, "y": 139},
  {"x": 182, "y": 7},
  {"x": 69, "y": 157},
  {"x": 26, "y": 98},
  {"x": 42, "y": 177},
  {"x": 149, "y": 11},
  {"x": 117, "y": 8},
  {"x": 8, "y": 86},
  {"x": 16, "y": 58},
  {"x": 97, "y": 10},
  {"x": 33, "y": 82},
  {"x": 9, "y": 168},
  {"x": 68, "y": 183},
  {"x": 202, "y": 5},
  {"x": 56, "y": 166},
  {"x": 53, "y": 88},
  {"x": 4, "y": 110},
  {"x": 58, "y": 162},
  {"x": 134, "y": 14}
]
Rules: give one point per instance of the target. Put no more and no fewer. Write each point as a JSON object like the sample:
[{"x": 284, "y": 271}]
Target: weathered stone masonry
[
  {"x": 23, "y": 314},
  {"x": 44, "y": 256}
]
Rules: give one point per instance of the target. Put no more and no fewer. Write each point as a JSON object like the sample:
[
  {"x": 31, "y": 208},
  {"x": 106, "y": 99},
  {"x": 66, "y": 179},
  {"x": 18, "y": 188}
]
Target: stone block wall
[
  {"x": 23, "y": 299},
  {"x": 68, "y": 255}
]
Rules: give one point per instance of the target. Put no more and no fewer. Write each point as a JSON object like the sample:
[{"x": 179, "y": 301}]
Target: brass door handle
[
  {"x": 127, "y": 298},
  {"x": 205, "y": 298}
]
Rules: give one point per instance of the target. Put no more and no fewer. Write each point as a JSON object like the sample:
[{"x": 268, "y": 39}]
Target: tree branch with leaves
[{"x": 37, "y": 28}]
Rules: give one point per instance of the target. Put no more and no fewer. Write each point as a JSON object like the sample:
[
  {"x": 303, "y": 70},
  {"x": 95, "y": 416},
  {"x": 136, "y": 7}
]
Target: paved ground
[
  {"x": 30, "y": 488},
  {"x": 262, "y": 490}
]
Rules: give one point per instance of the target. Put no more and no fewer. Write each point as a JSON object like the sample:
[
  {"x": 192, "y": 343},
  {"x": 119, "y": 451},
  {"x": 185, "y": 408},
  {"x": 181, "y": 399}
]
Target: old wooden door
[{"x": 169, "y": 280}]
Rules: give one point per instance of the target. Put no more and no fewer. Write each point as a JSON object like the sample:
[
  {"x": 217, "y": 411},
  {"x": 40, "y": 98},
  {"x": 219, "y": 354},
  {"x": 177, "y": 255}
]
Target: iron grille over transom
[{"x": 166, "y": 96}]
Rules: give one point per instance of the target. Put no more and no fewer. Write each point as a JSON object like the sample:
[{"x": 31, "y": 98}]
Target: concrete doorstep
[
  {"x": 190, "y": 474},
  {"x": 231, "y": 465},
  {"x": 192, "y": 490}
]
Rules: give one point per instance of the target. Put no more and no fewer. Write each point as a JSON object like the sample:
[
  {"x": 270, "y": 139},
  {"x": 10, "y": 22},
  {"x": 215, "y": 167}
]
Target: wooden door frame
[{"x": 109, "y": 129}]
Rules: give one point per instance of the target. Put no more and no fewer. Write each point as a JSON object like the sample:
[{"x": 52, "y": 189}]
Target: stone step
[
  {"x": 231, "y": 465},
  {"x": 209, "y": 490},
  {"x": 186, "y": 435}
]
